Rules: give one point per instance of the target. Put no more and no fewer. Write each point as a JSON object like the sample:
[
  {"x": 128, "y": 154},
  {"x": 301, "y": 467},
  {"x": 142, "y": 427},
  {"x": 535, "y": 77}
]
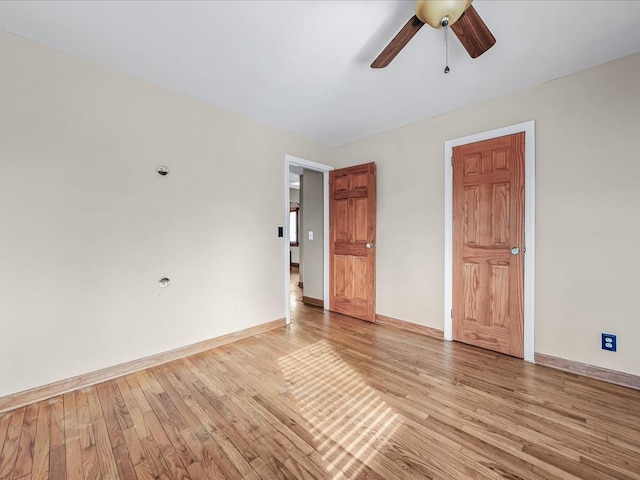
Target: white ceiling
[{"x": 304, "y": 65}]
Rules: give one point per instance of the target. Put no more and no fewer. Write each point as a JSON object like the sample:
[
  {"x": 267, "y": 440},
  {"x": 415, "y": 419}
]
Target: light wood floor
[{"x": 332, "y": 398}]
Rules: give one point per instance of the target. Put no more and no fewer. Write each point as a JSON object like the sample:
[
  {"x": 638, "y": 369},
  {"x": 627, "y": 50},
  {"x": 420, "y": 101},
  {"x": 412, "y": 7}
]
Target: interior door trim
[
  {"x": 529, "y": 228},
  {"x": 325, "y": 169}
]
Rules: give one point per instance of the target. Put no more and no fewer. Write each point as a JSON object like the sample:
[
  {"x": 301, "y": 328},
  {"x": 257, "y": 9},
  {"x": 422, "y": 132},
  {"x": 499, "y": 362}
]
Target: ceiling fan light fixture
[
  {"x": 464, "y": 20},
  {"x": 441, "y": 13}
]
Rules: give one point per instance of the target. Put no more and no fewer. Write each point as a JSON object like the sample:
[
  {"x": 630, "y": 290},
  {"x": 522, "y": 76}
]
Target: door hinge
[
  {"x": 452, "y": 314},
  {"x": 452, "y": 160}
]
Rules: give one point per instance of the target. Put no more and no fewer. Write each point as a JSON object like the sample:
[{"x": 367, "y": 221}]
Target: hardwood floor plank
[
  {"x": 5, "y": 418},
  {"x": 57, "y": 448},
  {"x": 9, "y": 453},
  {"x": 316, "y": 467},
  {"x": 170, "y": 404},
  {"x": 107, "y": 395},
  {"x": 72, "y": 438},
  {"x": 85, "y": 426},
  {"x": 104, "y": 449},
  {"x": 196, "y": 472},
  {"x": 157, "y": 465},
  {"x": 90, "y": 464},
  {"x": 123, "y": 462},
  {"x": 137, "y": 393},
  {"x": 40, "y": 469},
  {"x": 24, "y": 460},
  {"x": 195, "y": 434},
  {"x": 176, "y": 469},
  {"x": 211, "y": 457},
  {"x": 135, "y": 409},
  {"x": 225, "y": 423},
  {"x": 263, "y": 471},
  {"x": 234, "y": 455},
  {"x": 134, "y": 446},
  {"x": 572, "y": 466},
  {"x": 178, "y": 393},
  {"x": 178, "y": 443},
  {"x": 120, "y": 408},
  {"x": 57, "y": 465},
  {"x": 144, "y": 472},
  {"x": 492, "y": 449},
  {"x": 216, "y": 463}
]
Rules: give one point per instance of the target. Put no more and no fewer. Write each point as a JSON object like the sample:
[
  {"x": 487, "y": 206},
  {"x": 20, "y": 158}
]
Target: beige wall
[
  {"x": 312, "y": 251},
  {"x": 88, "y": 226},
  {"x": 294, "y": 195},
  {"x": 587, "y": 205}
]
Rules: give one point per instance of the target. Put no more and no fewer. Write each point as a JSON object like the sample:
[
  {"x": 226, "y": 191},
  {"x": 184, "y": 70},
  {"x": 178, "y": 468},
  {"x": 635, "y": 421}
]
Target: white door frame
[
  {"x": 290, "y": 160},
  {"x": 529, "y": 227}
]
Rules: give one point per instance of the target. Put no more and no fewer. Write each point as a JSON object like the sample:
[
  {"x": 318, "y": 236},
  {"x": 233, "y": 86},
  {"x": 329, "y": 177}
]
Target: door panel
[
  {"x": 352, "y": 213},
  {"x": 488, "y": 220}
]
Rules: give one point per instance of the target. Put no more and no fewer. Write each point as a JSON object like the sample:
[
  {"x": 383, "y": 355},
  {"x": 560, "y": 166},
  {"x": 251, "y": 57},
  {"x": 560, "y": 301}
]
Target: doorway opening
[{"x": 295, "y": 166}]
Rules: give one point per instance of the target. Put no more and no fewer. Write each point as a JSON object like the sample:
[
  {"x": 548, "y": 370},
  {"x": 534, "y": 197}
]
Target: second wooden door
[{"x": 488, "y": 244}]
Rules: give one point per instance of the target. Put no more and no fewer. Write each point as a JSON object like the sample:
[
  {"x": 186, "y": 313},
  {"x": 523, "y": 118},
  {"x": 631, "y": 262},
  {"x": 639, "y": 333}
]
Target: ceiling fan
[{"x": 460, "y": 15}]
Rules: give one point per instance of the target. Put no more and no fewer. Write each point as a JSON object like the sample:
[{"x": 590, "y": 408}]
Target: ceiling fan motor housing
[{"x": 441, "y": 13}]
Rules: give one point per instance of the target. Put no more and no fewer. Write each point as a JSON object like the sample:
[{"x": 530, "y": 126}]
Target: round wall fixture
[
  {"x": 163, "y": 170},
  {"x": 164, "y": 282}
]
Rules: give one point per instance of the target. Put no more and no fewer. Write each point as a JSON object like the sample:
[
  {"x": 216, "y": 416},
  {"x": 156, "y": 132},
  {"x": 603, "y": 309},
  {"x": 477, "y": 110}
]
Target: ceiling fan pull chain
[{"x": 446, "y": 48}]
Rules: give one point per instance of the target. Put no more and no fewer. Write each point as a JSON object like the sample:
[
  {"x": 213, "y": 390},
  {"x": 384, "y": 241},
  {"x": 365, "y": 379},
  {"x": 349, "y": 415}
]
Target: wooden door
[
  {"x": 488, "y": 244},
  {"x": 352, "y": 237}
]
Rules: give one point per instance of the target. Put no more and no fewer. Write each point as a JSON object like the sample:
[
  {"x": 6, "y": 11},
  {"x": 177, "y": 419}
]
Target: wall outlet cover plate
[{"x": 609, "y": 342}]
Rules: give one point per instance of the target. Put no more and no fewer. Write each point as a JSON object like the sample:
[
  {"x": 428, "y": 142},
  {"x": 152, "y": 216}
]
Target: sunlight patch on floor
[{"x": 349, "y": 419}]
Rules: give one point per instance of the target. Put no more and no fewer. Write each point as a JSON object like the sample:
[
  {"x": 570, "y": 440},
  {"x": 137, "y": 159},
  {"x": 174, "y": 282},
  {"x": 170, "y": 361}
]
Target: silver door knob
[
  {"x": 370, "y": 245},
  {"x": 515, "y": 251}
]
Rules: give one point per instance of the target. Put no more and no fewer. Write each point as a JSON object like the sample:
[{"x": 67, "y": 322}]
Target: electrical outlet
[{"x": 609, "y": 342}]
